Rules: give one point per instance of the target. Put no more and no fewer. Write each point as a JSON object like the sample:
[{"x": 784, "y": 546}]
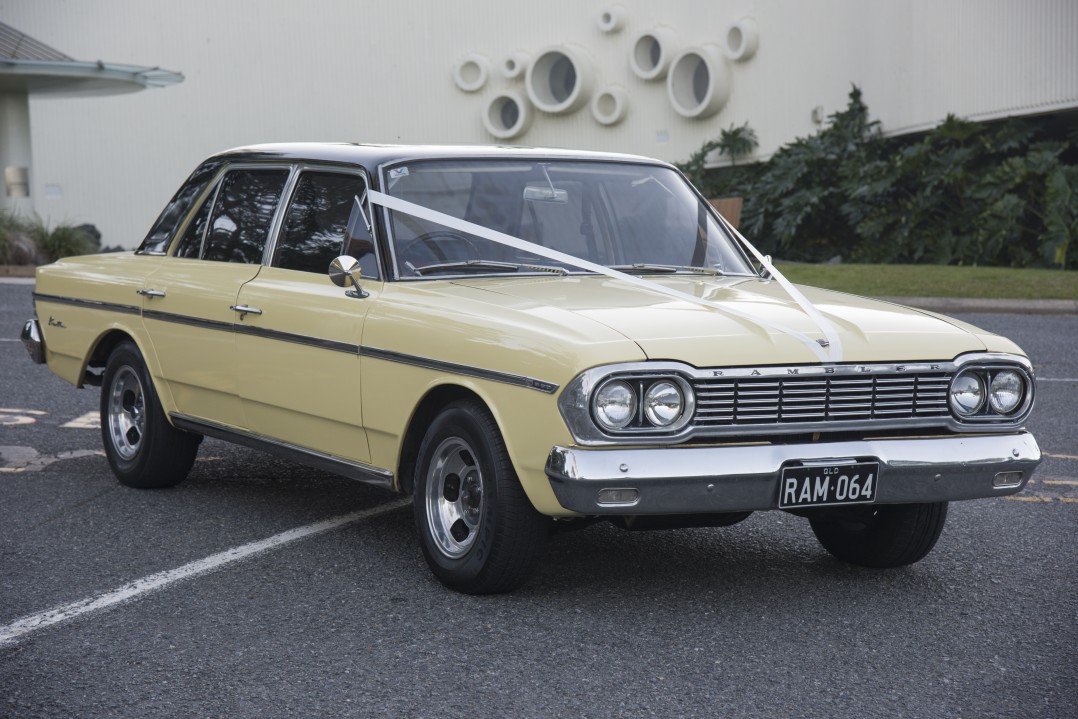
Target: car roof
[{"x": 371, "y": 156}]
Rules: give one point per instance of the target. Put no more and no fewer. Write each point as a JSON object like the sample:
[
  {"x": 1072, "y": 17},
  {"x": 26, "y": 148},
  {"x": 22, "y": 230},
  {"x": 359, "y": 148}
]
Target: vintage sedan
[{"x": 522, "y": 338}]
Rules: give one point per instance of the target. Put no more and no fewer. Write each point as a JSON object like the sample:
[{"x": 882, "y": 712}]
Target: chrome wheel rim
[
  {"x": 126, "y": 413},
  {"x": 454, "y": 497}
]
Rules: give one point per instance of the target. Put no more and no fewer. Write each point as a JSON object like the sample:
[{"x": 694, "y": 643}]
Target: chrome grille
[{"x": 722, "y": 401}]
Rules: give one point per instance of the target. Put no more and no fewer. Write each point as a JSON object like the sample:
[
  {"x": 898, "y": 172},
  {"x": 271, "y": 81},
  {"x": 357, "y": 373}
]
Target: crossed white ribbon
[{"x": 831, "y": 353}]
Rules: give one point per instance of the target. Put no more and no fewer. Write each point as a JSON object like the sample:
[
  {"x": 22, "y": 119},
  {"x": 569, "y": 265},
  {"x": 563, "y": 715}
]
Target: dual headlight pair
[
  {"x": 628, "y": 403},
  {"x": 988, "y": 392}
]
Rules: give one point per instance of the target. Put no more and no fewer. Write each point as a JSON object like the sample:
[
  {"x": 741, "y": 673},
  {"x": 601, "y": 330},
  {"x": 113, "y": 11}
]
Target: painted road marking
[
  {"x": 1060, "y": 456},
  {"x": 1029, "y": 498},
  {"x": 90, "y": 420},
  {"x": 1057, "y": 379},
  {"x": 11, "y": 417},
  {"x": 27, "y": 459},
  {"x": 1069, "y": 482},
  {"x": 154, "y": 582}
]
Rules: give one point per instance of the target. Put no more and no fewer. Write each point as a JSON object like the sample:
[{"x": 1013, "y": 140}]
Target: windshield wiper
[
  {"x": 642, "y": 268},
  {"x": 485, "y": 266}
]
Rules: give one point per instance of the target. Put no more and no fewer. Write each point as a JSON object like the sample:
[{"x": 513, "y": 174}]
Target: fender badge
[{"x": 53, "y": 322}]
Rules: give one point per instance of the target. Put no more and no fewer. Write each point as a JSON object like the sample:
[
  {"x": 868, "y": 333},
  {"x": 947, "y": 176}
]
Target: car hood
[{"x": 667, "y": 328}]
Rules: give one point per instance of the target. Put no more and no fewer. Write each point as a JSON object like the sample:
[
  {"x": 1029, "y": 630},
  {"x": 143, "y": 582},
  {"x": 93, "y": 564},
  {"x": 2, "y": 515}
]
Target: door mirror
[{"x": 343, "y": 271}]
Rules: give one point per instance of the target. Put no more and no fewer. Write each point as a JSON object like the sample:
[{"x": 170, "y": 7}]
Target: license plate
[{"x": 815, "y": 485}]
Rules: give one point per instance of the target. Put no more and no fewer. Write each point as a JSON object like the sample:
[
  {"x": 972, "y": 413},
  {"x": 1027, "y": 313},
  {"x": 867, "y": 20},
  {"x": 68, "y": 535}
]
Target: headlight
[
  {"x": 967, "y": 394},
  {"x": 1006, "y": 391},
  {"x": 615, "y": 404},
  {"x": 663, "y": 403}
]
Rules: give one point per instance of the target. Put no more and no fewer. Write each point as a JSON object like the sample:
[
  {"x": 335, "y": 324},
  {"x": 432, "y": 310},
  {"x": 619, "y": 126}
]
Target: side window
[
  {"x": 190, "y": 245},
  {"x": 316, "y": 225},
  {"x": 161, "y": 233},
  {"x": 242, "y": 215}
]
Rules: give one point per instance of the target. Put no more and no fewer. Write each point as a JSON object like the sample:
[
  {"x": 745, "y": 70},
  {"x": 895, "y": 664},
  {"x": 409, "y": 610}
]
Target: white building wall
[{"x": 280, "y": 70}]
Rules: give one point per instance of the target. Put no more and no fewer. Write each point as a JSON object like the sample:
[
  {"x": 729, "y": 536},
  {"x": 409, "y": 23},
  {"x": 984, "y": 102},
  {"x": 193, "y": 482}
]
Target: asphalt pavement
[{"x": 754, "y": 620}]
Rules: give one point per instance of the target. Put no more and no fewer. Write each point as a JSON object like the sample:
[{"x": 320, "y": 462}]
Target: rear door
[{"x": 190, "y": 304}]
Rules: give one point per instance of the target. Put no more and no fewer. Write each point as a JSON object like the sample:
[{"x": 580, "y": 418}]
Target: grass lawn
[{"x": 936, "y": 281}]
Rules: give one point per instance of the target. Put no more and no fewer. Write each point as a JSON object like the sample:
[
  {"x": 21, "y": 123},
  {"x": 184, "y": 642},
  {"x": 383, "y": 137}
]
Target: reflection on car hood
[{"x": 670, "y": 329}]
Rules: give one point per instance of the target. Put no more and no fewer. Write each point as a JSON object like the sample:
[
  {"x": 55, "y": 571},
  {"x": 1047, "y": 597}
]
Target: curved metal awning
[
  {"x": 30, "y": 66},
  {"x": 72, "y": 78}
]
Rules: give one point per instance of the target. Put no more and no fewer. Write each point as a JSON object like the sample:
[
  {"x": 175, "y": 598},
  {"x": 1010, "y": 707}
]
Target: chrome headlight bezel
[{"x": 986, "y": 369}]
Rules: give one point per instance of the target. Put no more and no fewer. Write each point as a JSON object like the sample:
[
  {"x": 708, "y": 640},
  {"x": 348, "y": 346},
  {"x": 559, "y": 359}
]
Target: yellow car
[{"x": 520, "y": 338}]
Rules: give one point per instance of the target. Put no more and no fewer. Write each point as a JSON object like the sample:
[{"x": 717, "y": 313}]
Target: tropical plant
[
  {"x": 1004, "y": 193},
  {"x": 63, "y": 240}
]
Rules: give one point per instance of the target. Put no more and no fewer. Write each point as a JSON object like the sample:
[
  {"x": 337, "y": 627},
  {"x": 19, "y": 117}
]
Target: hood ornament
[{"x": 823, "y": 343}]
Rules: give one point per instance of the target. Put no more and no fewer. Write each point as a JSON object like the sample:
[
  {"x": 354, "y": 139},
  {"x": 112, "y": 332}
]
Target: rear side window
[
  {"x": 157, "y": 241},
  {"x": 242, "y": 214},
  {"x": 316, "y": 225}
]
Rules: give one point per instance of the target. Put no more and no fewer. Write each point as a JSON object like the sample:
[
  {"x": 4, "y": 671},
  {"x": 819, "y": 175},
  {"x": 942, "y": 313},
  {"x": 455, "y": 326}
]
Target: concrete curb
[{"x": 950, "y": 305}]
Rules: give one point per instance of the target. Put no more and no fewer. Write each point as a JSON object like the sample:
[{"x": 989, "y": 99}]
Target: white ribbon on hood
[{"x": 832, "y": 353}]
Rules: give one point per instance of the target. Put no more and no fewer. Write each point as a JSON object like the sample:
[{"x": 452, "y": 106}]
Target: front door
[{"x": 298, "y": 349}]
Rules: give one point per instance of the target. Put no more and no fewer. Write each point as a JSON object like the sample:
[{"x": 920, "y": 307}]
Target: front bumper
[
  {"x": 697, "y": 480},
  {"x": 34, "y": 341}
]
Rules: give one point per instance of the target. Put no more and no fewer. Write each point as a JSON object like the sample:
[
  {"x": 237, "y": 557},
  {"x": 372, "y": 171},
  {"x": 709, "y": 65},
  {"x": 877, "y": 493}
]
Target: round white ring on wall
[
  {"x": 651, "y": 52},
  {"x": 471, "y": 73},
  {"x": 611, "y": 19},
  {"x": 508, "y": 115},
  {"x": 699, "y": 82},
  {"x": 514, "y": 65},
  {"x": 609, "y": 105},
  {"x": 559, "y": 80},
  {"x": 742, "y": 39}
]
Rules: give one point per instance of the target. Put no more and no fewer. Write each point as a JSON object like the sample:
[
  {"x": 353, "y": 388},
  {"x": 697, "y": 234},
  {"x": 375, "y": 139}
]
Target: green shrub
[
  {"x": 60, "y": 241},
  {"x": 968, "y": 193}
]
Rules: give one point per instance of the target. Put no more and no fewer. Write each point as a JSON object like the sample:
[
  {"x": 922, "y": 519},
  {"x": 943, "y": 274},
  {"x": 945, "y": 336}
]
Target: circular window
[
  {"x": 508, "y": 115},
  {"x": 699, "y": 82},
  {"x": 651, "y": 53},
  {"x": 609, "y": 105},
  {"x": 557, "y": 81},
  {"x": 742, "y": 39}
]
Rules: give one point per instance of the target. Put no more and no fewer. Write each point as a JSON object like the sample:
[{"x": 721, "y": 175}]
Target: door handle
[
  {"x": 244, "y": 310},
  {"x": 150, "y": 293}
]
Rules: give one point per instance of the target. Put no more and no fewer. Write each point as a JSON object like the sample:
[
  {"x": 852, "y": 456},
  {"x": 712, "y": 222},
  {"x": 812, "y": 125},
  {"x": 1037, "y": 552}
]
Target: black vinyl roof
[{"x": 373, "y": 156}]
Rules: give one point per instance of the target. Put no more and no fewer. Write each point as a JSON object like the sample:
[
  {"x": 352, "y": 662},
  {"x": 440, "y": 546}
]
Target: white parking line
[
  {"x": 1057, "y": 379},
  {"x": 20, "y": 628},
  {"x": 90, "y": 420}
]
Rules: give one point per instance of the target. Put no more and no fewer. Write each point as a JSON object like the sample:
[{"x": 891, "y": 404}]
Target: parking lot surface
[{"x": 259, "y": 588}]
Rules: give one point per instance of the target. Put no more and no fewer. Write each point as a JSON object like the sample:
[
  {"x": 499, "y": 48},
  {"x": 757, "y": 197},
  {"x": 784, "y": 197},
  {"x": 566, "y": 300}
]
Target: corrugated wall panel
[{"x": 273, "y": 70}]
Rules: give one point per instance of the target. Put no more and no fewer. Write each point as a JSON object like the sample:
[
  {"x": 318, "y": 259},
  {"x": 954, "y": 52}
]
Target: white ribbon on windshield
[{"x": 832, "y": 353}]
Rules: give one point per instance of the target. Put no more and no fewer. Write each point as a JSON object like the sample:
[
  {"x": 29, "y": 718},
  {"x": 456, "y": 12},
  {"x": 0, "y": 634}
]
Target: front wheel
[
  {"x": 478, "y": 530},
  {"x": 143, "y": 449},
  {"x": 883, "y": 536}
]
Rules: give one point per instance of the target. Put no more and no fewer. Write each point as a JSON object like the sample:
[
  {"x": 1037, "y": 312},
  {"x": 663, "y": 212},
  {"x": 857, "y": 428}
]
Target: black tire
[
  {"x": 478, "y": 531},
  {"x": 143, "y": 449},
  {"x": 882, "y": 536}
]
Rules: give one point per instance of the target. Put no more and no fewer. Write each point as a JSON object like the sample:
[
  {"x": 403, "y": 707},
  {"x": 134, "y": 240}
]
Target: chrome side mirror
[{"x": 343, "y": 271}]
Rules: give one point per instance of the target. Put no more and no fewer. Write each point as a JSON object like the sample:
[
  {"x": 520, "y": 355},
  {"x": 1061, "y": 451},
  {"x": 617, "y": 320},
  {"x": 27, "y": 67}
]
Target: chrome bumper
[
  {"x": 695, "y": 480},
  {"x": 34, "y": 341}
]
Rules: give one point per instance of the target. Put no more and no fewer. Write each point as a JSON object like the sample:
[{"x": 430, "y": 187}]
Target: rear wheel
[
  {"x": 885, "y": 535},
  {"x": 143, "y": 449},
  {"x": 478, "y": 530}
]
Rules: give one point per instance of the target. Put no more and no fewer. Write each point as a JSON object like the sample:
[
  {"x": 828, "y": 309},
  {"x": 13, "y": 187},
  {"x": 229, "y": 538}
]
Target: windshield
[{"x": 635, "y": 218}]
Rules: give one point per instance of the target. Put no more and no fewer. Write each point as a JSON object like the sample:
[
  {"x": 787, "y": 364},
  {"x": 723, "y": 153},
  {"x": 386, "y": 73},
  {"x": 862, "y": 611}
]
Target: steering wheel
[{"x": 439, "y": 241}]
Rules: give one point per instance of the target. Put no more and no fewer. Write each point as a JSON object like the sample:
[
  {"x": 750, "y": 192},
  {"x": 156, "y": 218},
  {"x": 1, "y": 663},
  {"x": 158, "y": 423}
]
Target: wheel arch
[
  {"x": 432, "y": 403},
  {"x": 94, "y": 369}
]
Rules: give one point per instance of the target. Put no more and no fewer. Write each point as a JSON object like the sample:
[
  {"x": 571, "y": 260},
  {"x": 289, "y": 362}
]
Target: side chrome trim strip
[
  {"x": 326, "y": 344},
  {"x": 186, "y": 320},
  {"x": 346, "y": 468},
  {"x": 108, "y": 306},
  {"x": 453, "y": 368},
  {"x": 333, "y": 345}
]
